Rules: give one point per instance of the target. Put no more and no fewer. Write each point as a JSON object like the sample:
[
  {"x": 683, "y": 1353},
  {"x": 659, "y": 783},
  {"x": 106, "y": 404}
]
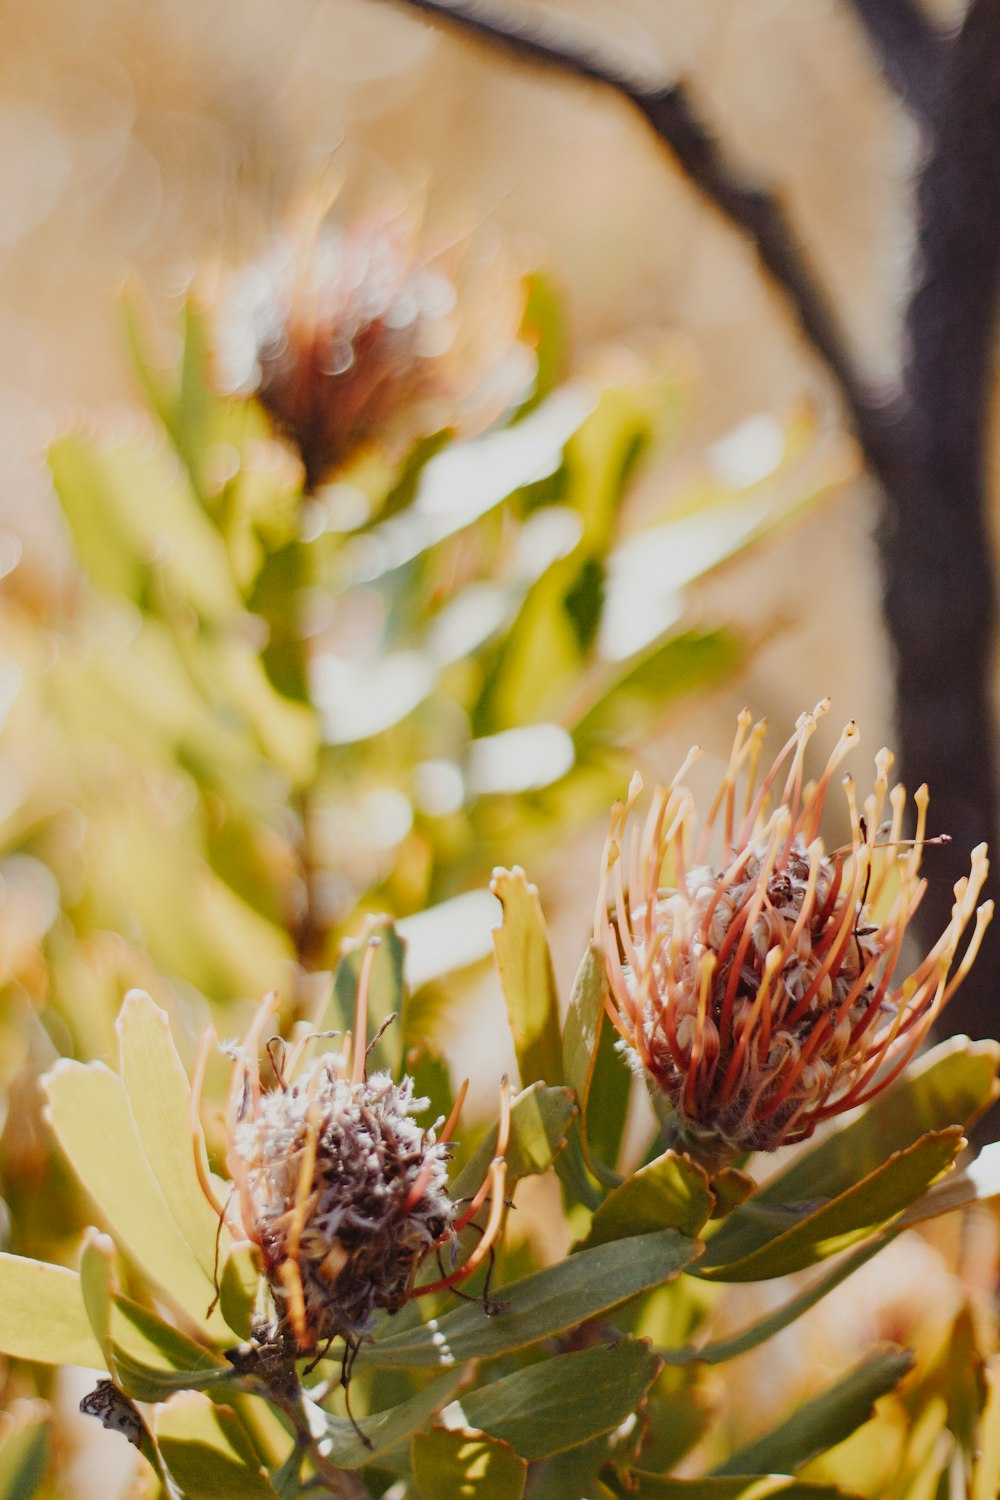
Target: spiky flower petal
[{"x": 756, "y": 989}]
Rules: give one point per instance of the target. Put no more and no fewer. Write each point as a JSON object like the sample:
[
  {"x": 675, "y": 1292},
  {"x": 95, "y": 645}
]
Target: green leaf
[
  {"x": 824, "y": 1421},
  {"x": 539, "y": 1118},
  {"x": 564, "y": 1401},
  {"x": 386, "y": 992},
  {"x": 454, "y": 1464},
  {"x": 24, "y": 1446},
  {"x": 541, "y": 1305},
  {"x": 159, "y": 1098},
  {"x": 765, "y": 1328},
  {"x": 643, "y": 688},
  {"x": 89, "y": 1113},
  {"x": 952, "y": 1085},
  {"x": 756, "y": 1243},
  {"x": 752, "y": 1487},
  {"x": 207, "y": 1452},
  {"x": 42, "y": 1316},
  {"x": 977, "y": 1182},
  {"x": 671, "y": 1192},
  {"x": 524, "y": 965},
  {"x": 152, "y": 1359},
  {"x": 384, "y": 1430},
  {"x": 585, "y": 1061}
]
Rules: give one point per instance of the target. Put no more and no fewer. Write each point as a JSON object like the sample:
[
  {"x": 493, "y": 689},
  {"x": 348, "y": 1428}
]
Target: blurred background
[{"x": 215, "y": 763}]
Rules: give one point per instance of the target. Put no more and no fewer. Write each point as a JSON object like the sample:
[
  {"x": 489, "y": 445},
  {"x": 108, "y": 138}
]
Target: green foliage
[{"x": 269, "y": 738}]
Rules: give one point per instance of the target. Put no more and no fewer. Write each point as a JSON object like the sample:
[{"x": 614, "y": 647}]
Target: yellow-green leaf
[
  {"x": 89, "y": 1112},
  {"x": 42, "y": 1316},
  {"x": 524, "y": 965},
  {"x": 159, "y": 1098},
  {"x": 207, "y": 1451},
  {"x": 456, "y": 1464}
]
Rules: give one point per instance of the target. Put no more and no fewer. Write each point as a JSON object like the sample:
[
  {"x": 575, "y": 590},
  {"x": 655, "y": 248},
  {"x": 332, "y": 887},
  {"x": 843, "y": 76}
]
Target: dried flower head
[
  {"x": 351, "y": 337},
  {"x": 343, "y": 1193},
  {"x": 757, "y": 992}
]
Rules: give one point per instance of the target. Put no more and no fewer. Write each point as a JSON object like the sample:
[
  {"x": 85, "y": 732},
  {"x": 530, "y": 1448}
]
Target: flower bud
[{"x": 756, "y": 990}]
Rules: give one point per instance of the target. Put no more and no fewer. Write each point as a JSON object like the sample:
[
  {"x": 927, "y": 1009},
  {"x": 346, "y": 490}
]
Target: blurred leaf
[
  {"x": 561, "y": 1402},
  {"x": 762, "y": 1240},
  {"x": 453, "y": 1464},
  {"x": 765, "y": 1328},
  {"x": 752, "y": 1487},
  {"x": 539, "y": 1118},
  {"x": 824, "y": 1421},
  {"x": 671, "y": 1192},
  {"x": 207, "y": 1452},
  {"x": 159, "y": 1099},
  {"x": 24, "y": 1446},
  {"x": 541, "y": 1305},
  {"x": 524, "y": 966},
  {"x": 89, "y": 1113},
  {"x": 986, "y": 1473},
  {"x": 278, "y": 584},
  {"x": 958, "y": 1374},
  {"x": 639, "y": 692},
  {"x": 602, "y": 453},
  {"x": 544, "y": 327},
  {"x": 384, "y": 1430},
  {"x": 133, "y": 518},
  {"x": 42, "y": 1316},
  {"x": 386, "y": 992}
]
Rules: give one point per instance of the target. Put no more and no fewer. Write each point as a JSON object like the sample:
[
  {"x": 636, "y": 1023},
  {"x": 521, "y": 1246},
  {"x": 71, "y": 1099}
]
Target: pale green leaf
[
  {"x": 42, "y": 1316},
  {"x": 159, "y": 1098},
  {"x": 89, "y": 1113},
  {"x": 524, "y": 965}
]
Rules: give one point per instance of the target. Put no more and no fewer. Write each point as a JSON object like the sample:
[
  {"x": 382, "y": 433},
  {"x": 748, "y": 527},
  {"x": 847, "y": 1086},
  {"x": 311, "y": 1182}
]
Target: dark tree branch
[
  {"x": 936, "y": 550},
  {"x": 928, "y": 449},
  {"x": 669, "y": 112},
  {"x": 911, "y": 52}
]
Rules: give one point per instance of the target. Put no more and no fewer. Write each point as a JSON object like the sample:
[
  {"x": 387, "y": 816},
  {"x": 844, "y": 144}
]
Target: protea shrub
[{"x": 753, "y": 974}]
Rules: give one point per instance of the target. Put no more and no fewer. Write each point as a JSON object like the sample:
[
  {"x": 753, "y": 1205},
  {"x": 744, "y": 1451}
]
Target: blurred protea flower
[
  {"x": 343, "y": 1193},
  {"x": 757, "y": 993},
  {"x": 354, "y": 337}
]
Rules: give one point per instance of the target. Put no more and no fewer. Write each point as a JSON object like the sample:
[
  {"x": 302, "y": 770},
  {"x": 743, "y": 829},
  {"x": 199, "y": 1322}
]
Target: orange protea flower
[
  {"x": 344, "y": 1195},
  {"x": 756, "y": 991},
  {"x": 352, "y": 337}
]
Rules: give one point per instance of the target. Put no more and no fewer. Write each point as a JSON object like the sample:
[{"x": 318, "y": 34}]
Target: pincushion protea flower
[
  {"x": 343, "y": 1193},
  {"x": 352, "y": 337},
  {"x": 757, "y": 992}
]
